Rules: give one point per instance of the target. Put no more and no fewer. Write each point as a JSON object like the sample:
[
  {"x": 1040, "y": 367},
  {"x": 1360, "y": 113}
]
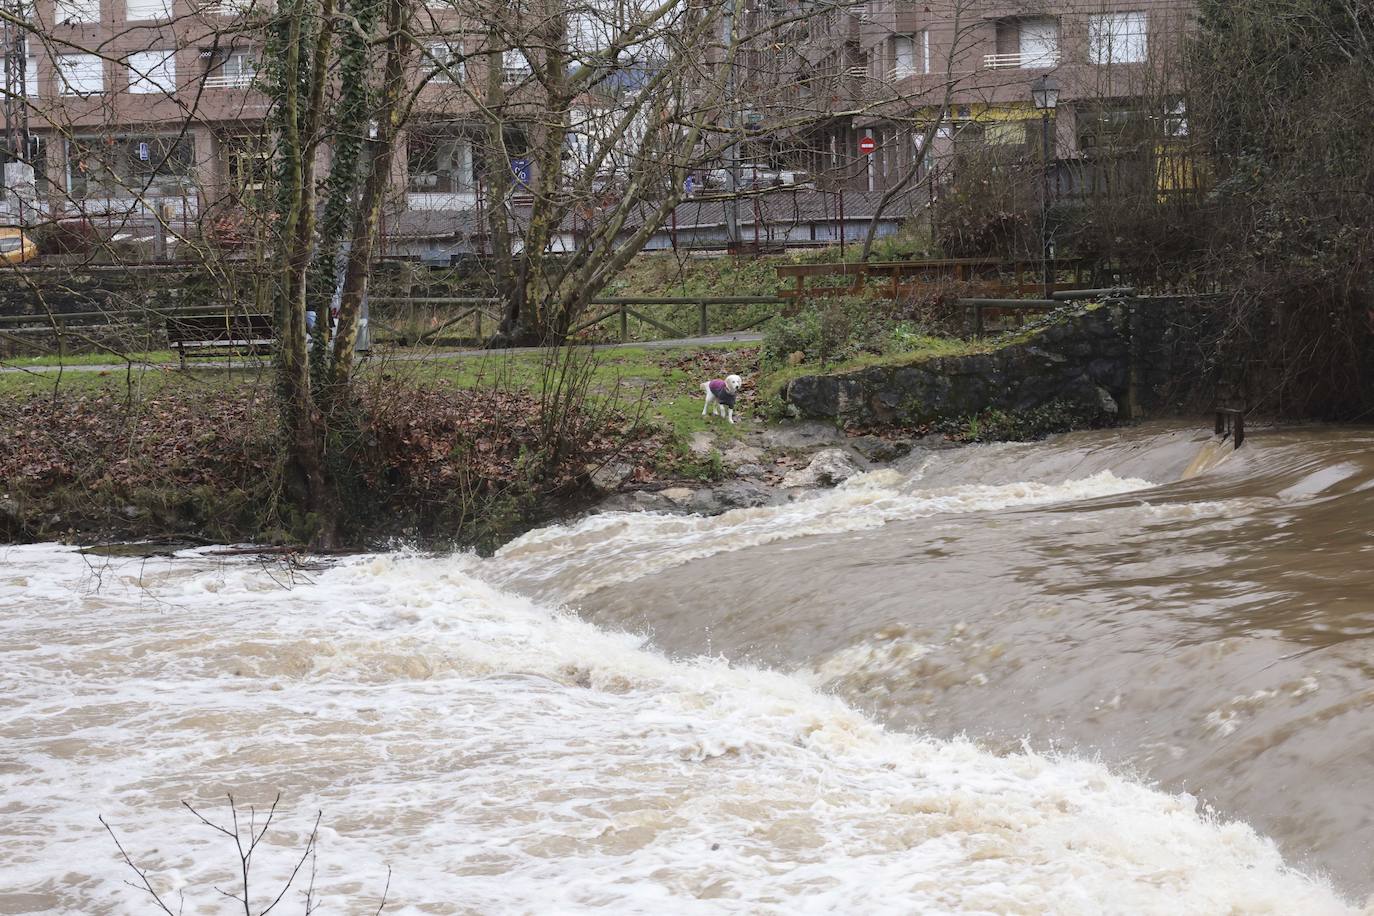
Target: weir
[{"x": 994, "y": 677}]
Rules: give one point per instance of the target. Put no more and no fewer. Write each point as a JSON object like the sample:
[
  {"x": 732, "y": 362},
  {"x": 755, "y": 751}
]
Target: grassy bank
[{"x": 441, "y": 450}]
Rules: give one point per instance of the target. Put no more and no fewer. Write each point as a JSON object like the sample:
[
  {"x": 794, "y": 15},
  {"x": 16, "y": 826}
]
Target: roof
[{"x": 774, "y": 206}]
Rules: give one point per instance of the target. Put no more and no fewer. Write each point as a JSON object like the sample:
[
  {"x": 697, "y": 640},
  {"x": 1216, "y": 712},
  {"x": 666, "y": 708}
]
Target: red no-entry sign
[{"x": 867, "y": 145}]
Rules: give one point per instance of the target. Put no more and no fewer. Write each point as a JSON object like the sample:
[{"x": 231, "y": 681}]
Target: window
[
  {"x": 448, "y": 63},
  {"x": 229, "y": 68},
  {"x": 1117, "y": 38},
  {"x": 152, "y": 71},
  {"x": 1115, "y": 129},
  {"x": 1039, "y": 42},
  {"x": 148, "y": 10},
  {"x": 1005, "y": 133},
  {"x": 1176, "y": 120},
  {"x": 30, "y": 65},
  {"x": 903, "y": 56},
  {"x": 81, "y": 74},
  {"x": 1030, "y": 44},
  {"x": 515, "y": 66},
  {"x": 129, "y": 166},
  {"x": 233, "y": 8},
  {"x": 68, "y": 11},
  {"x": 247, "y": 164},
  {"x": 910, "y": 54},
  {"x": 438, "y": 162},
  {"x": 25, "y": 10}
]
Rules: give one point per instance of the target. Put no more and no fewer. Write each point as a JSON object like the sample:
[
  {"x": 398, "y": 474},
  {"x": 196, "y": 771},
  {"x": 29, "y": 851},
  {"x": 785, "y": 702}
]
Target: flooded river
[{"x": 1118, "y": 672}]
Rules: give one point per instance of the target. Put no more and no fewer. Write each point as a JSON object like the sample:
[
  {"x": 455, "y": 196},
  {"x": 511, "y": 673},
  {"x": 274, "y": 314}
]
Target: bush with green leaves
[{"x": 829, "y": 331}]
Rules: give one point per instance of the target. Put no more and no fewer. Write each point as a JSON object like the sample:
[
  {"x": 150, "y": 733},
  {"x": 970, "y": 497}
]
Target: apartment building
[
  {"x": 125, "y": 111},
  {"x": 132, "y": 107},
  {"x": 889, "y": 69},
  {"x": 135, "y": 109}
]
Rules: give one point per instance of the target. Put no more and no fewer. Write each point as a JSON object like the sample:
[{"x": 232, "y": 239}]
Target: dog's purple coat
[{"x": 720, "y": 392}]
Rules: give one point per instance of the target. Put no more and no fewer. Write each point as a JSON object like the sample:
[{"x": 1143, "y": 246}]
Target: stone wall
[{"x": 1117, "y": 361}]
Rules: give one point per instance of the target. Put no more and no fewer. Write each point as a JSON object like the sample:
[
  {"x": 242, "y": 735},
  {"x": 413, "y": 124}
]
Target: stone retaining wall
[{"x": 1114, "y": 362}]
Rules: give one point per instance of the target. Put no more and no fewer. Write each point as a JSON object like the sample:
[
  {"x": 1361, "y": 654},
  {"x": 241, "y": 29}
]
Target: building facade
[{"x": 135, "y": 112}]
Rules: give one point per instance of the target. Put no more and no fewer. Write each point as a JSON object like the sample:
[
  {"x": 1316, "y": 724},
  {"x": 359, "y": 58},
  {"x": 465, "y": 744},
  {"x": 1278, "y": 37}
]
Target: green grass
[
  {"x": 920, "y": 349},
  {"x": 659, "y": 384},
  {"x": 140, "y": 381},
  {"x": 91, "y": 359},
  {"x": 638, "y": 378}
]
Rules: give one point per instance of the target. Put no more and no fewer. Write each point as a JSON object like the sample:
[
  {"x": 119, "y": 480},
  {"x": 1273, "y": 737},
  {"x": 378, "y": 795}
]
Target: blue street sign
[{"x": 520, "y": 168}]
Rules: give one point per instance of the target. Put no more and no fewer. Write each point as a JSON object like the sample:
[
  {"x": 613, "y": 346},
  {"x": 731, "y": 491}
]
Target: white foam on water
[
  {"x": 505, "y": 757},
  {"x": 572, "y": 561}
]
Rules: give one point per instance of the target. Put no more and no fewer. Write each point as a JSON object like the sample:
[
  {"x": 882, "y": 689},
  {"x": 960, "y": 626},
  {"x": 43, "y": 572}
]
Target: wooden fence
[
  {"x": 622, "y": 307},
  {"x": 896, "y": 278}
]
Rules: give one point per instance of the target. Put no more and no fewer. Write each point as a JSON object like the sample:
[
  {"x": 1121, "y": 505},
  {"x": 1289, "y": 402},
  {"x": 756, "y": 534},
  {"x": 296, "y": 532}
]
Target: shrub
[{"x": 828, "y": 331}]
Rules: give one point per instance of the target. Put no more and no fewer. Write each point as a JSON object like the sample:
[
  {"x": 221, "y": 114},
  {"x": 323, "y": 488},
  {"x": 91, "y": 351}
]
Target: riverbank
[
  {"x": 450, "y": 450},
  {"x": 439, "y": 451}
]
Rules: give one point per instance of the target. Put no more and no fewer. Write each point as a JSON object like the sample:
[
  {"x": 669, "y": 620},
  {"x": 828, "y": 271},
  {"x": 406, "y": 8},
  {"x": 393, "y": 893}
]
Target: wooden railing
[
  {"x": 998, "y": 276},
  {"x": 479, "y": 307},
  {"x": 620, "y": 307}
]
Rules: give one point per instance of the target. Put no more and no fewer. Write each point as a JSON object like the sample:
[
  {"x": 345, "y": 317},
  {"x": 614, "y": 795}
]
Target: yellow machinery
[{"x": 16, "y": 247}]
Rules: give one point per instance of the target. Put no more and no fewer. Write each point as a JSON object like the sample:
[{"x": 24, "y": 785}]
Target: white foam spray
[{"x": 501, "y": 756}]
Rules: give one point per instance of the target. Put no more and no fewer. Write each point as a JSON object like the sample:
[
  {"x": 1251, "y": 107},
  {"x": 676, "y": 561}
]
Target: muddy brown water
[
  {"x": 989, "y": 680},
  {"x": 1210, "y": 633}
]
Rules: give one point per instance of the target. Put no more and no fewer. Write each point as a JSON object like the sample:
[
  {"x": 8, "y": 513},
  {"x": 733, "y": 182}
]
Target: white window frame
[
  {"x": 65, "y": 11},
  {"x": 923, "y": 50},
  {"x": 445, "y": 55},
  {"x": 80, "y": 74},
  {"x": 1044, "y": 51},
  {"x": 1176, "y": 119},
  {"x": 515, "y": 66},
  {"x": 235, "y": 69},
  {"x": 1119, "y": 38},
  {"x": 903, "y": 56},
  {"x": 147, "y": 10},
  {"x": 152, "y": 72}
]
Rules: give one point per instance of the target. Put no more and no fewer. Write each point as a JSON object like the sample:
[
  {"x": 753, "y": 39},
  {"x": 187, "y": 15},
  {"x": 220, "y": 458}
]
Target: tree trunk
[
  {"x": 369, "y": 212},
  {"x": 302, "y": 432}
]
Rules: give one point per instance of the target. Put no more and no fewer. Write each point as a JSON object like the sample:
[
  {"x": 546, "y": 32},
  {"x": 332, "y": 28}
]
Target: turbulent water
[{"x": 1118, "y": 672}]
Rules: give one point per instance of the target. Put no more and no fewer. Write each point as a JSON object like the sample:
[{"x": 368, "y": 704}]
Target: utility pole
[
  {"x": 732, "y": 151},
  {"x": 16, "y": 107}
]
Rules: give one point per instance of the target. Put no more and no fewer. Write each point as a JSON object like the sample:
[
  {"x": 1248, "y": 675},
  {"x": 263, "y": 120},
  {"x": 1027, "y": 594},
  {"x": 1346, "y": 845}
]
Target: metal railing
[{"x": 1037, "y": 60}]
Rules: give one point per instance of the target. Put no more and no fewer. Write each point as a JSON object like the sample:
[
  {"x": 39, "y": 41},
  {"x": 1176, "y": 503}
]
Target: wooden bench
[{"x": 218, "y": 333}]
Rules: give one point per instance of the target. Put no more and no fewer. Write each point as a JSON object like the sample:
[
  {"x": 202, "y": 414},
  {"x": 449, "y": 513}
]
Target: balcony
[
  {"x": 228, "y": 80},
  {"x": 1034, "y": 60}
]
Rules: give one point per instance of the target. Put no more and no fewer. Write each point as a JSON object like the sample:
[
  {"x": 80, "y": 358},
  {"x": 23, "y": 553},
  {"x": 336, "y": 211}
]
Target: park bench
[{"x": 218, "y": 333}]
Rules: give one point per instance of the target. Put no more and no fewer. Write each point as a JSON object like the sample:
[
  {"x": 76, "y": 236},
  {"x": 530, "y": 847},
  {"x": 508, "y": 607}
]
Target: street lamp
[{"x": 1045, "y": 95}]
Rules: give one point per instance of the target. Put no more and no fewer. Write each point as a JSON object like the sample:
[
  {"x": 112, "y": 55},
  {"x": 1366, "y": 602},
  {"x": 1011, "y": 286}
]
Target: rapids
[{"x": 1120, "y": 672}]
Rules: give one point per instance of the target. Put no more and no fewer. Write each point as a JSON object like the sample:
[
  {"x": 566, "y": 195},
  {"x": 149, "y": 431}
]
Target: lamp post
[{"x": 1045, "y": 95}]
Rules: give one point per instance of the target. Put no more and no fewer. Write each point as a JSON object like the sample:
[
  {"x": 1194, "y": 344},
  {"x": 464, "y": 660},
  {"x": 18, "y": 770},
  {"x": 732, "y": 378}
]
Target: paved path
[{"x": 397, "y": 355}]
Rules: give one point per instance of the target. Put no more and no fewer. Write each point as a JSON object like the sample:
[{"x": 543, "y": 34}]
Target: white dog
[{"x": 721, "y": 394}]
